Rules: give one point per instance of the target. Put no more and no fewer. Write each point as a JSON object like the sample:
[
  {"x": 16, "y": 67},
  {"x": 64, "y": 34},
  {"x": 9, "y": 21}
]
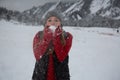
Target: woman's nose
[{"x": 52, "y": 23}]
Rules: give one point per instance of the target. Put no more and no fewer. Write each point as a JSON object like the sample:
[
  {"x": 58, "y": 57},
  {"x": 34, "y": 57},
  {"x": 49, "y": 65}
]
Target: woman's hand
[
  {"x": 59, "y": 32},
  {"x": 48, "y": 35}
]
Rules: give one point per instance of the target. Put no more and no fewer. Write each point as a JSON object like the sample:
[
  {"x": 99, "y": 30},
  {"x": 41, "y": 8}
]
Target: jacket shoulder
[
  {"x": 39, "y": 34},
  {"x": 68, "y": 34}
]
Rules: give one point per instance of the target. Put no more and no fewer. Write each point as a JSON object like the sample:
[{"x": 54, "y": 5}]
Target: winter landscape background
[
  {"x": 95, "y": 53},
  {"x": 94, "y": 24}
]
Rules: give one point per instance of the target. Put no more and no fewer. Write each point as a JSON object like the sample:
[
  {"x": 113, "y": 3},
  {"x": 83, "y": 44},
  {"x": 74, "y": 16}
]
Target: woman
[{"x": 51, "y": 47}]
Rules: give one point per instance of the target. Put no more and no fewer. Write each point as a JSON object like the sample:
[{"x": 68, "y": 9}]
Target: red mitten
[
  {"x": 48, "y": 35},
  {"x": 58, "y": 31}
]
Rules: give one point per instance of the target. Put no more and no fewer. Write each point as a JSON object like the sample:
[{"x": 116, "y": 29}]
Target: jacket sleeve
[
  {"x": 60, "y": 50},
  {"x": 36, "y": 42},
  {"x": 40, "y": 45}
]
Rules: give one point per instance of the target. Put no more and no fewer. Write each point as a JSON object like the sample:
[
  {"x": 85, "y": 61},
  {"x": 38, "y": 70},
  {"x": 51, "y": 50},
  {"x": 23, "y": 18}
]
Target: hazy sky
[{"x": 22, "y": 5}]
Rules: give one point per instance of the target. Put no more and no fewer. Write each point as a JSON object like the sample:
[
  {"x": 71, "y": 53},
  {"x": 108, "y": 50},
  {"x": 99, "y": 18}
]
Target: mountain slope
[{"x": 76, "y": 13}]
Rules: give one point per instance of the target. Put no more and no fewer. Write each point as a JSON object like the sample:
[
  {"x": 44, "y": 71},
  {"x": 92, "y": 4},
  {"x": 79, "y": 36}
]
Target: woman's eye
[
  {"x": 56, "y": 20},
  {"x": 49, "y": 20}
]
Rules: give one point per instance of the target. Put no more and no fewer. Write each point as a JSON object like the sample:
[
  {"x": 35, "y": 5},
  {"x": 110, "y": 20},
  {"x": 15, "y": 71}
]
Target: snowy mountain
[
  {"x": 107, "y": 8},
  {"x": 87, "y": 13},
  {"x": 95, "y": 52},
  {"x": 81, "y": 11}
]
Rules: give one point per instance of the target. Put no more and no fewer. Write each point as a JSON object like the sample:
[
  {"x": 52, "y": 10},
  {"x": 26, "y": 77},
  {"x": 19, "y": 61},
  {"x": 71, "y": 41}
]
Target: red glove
[
  {"x": 58, "y": 31},
  {"x": 48, "y": 35}
]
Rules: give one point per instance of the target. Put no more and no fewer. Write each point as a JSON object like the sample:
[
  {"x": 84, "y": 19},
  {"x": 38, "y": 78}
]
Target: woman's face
[{"x": 54, "y": 21}]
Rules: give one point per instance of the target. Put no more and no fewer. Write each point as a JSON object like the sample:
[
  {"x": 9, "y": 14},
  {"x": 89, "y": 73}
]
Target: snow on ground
[{"x": 94, "y": 54}]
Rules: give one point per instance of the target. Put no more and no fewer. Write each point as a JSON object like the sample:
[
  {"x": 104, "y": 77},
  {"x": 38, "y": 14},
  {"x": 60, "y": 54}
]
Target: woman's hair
[{"x": 50, "y": 14}]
